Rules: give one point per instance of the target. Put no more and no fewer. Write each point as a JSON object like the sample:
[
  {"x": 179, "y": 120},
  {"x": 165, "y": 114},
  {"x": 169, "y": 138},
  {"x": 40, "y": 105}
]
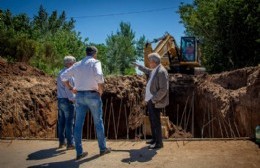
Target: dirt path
[{"x": 177, "y": 154}]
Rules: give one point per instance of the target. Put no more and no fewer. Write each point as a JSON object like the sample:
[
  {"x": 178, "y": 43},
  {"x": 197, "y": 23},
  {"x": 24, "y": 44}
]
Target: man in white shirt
[
  {"x": 89, "y": 80},
  {"x": 156, "y": 96}
]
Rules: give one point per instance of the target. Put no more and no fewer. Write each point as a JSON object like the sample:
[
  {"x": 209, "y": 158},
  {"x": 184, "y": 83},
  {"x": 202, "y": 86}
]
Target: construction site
[
  {"x": 211, "y": 119},
  {"x": 170, "y": 84}
]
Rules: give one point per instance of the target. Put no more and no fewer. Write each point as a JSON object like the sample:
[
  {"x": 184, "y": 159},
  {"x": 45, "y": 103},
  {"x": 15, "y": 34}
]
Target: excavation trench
[
  {"x": 225, "y": 105},
  {"x": 207, "y": 106}
]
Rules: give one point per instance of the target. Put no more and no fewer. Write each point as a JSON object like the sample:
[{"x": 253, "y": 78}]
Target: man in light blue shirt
[
  {"x": 65, "y": 107},
  {"x": 89, "y": 80}
]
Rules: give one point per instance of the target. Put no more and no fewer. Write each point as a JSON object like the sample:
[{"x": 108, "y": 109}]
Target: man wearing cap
[
  {"x": 65, "y": 107},
  {"x": 88, "y": 87},
  {"x": 156, "y": 96}
]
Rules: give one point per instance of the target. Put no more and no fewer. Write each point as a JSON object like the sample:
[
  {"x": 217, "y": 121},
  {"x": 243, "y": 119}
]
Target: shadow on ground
[
  {"x": 45, "y": 153},
  {"x": 66, "y": 164},
  {"x": 135, "y": 155},
  {"x": 138, "y": 155}
]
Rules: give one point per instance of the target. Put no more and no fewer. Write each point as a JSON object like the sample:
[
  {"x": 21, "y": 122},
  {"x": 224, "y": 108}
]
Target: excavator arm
[{"x": 166, "y": 48}]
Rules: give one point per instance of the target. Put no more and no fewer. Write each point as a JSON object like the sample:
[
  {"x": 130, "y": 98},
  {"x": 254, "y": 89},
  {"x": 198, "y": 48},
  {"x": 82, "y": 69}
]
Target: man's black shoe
[
  {"x": 155, "y": 146},
  {"x": 151, "y": 141},
  {"x": 106, "y": 151},
  {"x": 70, "y": 147},
  {"x": 84, "y": 154}
]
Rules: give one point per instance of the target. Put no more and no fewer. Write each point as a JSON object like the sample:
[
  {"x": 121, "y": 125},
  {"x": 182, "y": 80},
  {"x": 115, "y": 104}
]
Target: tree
[
  {"x": 229, "y": 30},
  {"x": 102, "y": 50},
  {"x": 40, "y": 21},
  {"x": 15, "y": 43},
  {"x": 58, "y": 39},
  {"x": 122, "y": 49},
  {"x": 42, "y": 42}
]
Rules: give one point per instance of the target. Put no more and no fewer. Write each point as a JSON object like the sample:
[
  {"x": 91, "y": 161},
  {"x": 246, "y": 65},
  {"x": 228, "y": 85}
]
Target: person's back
[
  {"x": 62, "y": 90},
  {"x": 89, "y": 88},
  {"x": 86, "y": 69}
]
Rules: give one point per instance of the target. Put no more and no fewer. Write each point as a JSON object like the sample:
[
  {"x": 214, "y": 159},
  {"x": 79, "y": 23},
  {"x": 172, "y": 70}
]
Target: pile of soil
[
  {"x": 123, "y": 107},
  {"x": 29, "y": 104},
  {"x": 27, "y": 101},
  {"x": 128, "y": 91},
  {"x": 223, "y": 105},
  {"x": 231, "y": 100}
]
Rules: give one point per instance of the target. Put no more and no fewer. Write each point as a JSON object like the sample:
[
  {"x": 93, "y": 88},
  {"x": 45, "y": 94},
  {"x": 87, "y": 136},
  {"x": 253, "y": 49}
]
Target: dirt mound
[
  {"x": 231, "y": 100},
  {"x": 127, "y": 91},
  {"x": 223, "y": 105},
  {"x": 27, "y": 101},
  {"x": 19, "y": 69},
  {"x": 29, "y": 104},
  {"x": 123, "y": 107}
]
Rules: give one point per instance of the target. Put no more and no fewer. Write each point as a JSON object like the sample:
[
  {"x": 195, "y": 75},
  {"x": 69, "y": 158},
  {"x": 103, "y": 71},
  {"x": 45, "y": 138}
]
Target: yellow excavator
[{"x": 174, "y": 59}]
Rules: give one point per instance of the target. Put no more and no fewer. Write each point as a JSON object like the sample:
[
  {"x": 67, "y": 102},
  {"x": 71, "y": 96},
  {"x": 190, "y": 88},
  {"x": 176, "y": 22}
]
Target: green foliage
[
  {"x": 55, "y": 47},
  {"x": 122, "y": 49},
  {"x": 25, "y": 49},
  {"x": 43, "y": 42},
  {"x": 47, "y": 38},
  {"x": 20, "y": 48},
  {"x": 229, "y": 30}
]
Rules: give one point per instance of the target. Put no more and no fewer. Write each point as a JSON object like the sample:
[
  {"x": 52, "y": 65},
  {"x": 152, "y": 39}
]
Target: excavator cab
[
  {"x": 190, "y": 55},
  {"x": 188, "y": 49}
]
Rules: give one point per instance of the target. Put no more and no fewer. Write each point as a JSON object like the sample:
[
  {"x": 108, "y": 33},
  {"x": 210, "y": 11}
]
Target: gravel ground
[{"x": 177, "y": 154}]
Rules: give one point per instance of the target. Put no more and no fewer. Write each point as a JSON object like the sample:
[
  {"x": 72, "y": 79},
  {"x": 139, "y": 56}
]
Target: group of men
[{"x": 79, "y": 90}]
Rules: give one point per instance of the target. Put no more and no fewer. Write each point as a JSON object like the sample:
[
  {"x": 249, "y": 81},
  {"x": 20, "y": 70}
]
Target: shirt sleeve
[
  {"x": 69, "y": 93},
  {"x": 99, "y": 77},
  {"x": 144, "y": 69},
  {"x": 67, "y": 74}
]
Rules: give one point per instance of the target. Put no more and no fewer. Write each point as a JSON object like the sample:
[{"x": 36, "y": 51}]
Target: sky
[{"x": 97, "y": 19}]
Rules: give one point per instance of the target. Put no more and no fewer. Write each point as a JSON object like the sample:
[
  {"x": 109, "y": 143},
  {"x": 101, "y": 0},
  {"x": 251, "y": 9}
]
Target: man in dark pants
[
  {"x": 156, "y": 96},
  {"x": 154, "y": 116}
]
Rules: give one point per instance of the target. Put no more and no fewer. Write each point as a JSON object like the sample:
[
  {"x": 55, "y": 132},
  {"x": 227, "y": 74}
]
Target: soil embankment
[{"x": 220, "y": 105}]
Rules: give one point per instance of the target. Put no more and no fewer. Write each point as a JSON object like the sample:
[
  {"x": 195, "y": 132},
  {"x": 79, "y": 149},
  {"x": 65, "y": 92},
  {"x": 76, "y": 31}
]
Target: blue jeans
[
  {"x": 85, "y": 101},
  {"x": 65, "y": 121}
]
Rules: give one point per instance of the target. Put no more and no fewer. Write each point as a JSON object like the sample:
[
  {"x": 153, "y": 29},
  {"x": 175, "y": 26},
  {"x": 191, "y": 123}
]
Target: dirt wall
[
  {"x": 223, "y": 105},
  {"x": 27, "y": 102},
  {"x": 232, "y": 100}
]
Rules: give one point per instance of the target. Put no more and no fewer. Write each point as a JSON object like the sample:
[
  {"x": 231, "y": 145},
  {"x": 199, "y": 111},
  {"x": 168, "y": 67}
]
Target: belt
[
  {"x": 91, "y": 91},
  {"x": 66, "y": 100}
]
